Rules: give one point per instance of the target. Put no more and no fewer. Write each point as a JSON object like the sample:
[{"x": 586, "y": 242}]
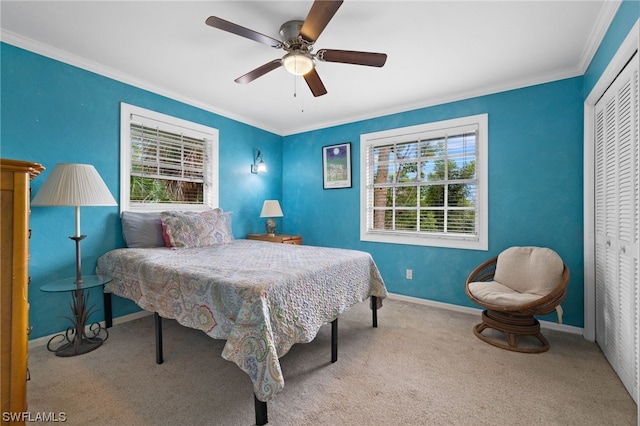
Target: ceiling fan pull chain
[
  {"x": 295, "y": 93},
  {"x": 295, "y": 86}
]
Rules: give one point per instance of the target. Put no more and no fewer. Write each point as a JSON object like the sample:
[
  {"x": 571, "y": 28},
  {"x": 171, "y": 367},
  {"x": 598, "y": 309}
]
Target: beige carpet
[{"x": 421, "y": 366}]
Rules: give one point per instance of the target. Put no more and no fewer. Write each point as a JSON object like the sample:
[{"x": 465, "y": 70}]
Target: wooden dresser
[
  {"x": 283, "y": 239},
  {"x": 14, "y": 305}
]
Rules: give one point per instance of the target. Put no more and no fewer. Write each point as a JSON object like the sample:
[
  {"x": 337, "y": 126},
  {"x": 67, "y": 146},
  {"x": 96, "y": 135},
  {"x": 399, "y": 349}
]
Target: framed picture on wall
[{"x": 336, "y": 166}]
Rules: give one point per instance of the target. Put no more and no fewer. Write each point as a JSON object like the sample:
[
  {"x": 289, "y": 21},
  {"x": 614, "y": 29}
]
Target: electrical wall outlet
[{"x": 409, "y": 274}]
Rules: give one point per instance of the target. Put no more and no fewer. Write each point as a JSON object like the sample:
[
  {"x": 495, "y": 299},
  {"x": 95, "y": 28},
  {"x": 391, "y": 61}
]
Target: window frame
[
  {"x": 178, "y": 126},
  {"x": 478, "y": 241}
]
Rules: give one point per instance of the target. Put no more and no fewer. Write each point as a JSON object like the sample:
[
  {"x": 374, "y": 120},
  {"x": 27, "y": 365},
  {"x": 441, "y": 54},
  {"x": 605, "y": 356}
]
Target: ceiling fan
[{"x": 298, "y": 38}]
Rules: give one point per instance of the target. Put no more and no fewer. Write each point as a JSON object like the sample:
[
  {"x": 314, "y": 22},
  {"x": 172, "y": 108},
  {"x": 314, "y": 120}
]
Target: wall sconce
[{"x": 258, "y": 165}]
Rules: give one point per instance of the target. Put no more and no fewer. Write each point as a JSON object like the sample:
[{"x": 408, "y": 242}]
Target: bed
[{"x": 261, "y": 297}]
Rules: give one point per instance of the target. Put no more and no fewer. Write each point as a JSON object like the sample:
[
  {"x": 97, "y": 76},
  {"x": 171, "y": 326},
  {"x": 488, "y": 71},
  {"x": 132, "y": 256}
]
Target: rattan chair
[{"x": 513, "y": 287}]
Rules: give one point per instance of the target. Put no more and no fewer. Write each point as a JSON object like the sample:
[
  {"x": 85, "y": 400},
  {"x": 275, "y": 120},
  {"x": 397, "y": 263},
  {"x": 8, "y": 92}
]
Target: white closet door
[{"x": 616, "y": 225}]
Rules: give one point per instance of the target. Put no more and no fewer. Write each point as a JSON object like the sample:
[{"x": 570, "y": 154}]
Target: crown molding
[
  {"x": 454, "y": 97},
  {"x": 605, "y": 17},
  {"x": 48, "y": 51}
]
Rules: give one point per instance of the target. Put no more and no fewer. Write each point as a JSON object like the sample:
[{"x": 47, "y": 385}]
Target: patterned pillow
[{"x": 197, "y": 229}]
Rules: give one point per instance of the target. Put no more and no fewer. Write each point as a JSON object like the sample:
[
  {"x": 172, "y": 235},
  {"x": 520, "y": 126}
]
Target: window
[
  {"x": 166, "y": 163},
  {"x": 426, "y": 184}
]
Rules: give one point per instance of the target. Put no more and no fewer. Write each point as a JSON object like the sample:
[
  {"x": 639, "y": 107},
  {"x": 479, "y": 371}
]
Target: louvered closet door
[{"x": 616, "y": 223}]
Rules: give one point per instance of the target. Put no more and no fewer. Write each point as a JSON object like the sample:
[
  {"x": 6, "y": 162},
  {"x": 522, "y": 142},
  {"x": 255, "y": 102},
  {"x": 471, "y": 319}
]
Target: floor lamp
[{"x": 75, "y": 185}]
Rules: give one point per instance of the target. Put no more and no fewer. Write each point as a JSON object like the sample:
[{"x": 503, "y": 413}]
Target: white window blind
[
  {"x": 422, "y": 184},
  {"x": 176, "y": 161},
  {"x": 168, "y": 161}
]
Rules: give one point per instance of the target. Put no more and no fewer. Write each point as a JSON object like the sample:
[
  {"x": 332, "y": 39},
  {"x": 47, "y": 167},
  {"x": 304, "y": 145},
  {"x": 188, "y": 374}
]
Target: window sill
[{"x": 422, "y": 240}]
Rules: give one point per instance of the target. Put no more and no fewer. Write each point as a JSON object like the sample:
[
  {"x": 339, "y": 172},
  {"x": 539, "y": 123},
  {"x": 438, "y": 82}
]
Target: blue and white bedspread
[{"x": 260, "y": 297}]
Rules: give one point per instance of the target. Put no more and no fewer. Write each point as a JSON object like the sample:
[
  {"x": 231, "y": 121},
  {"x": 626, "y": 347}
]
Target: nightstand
[
  {"x": 76, "y": 341},
  {"x": 278, "y": 238}
]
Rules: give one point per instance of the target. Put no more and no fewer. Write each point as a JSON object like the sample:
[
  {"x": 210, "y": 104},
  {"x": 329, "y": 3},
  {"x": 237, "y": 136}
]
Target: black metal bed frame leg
[
  {"x": 334, "y": 340},
  {"x": 108, "y": 313},
  {"x": 261, "y": 411},
  {"x": 260, "y": 406},
  {"x": 374, "y": 310},
  {"x": 158, "y": 322}
]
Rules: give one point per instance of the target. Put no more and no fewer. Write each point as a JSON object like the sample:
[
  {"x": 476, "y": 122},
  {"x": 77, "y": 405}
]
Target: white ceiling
[{"x": 438, "y": 51}]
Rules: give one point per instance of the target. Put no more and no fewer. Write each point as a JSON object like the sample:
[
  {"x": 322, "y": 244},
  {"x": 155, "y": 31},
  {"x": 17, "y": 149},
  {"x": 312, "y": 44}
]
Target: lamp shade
[
  {"x": 298, "y": 63},
  {"x": 271, "y": 208},
  {"x": 74, "y": 185}
]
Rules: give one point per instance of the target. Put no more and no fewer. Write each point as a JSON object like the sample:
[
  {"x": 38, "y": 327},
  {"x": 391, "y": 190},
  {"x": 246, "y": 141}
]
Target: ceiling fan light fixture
[
  {"x": 298, "y": 63},
  {"x": 297, "y": 39}
]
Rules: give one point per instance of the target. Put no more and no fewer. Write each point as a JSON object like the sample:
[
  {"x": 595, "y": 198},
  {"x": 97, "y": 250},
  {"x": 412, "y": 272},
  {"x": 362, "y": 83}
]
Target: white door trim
[{"x": 630, "y": 45}]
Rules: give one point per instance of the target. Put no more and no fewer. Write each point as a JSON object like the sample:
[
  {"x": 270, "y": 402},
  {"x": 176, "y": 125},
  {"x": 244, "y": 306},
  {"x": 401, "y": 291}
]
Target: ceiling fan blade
[
  {"x": 350, "y": 57},
  {"x": 315, "y": 84},
  {"x": 259, "y": 72},
  {"x": 318, "y": 17},
  {"x": 221, "y": 24}
]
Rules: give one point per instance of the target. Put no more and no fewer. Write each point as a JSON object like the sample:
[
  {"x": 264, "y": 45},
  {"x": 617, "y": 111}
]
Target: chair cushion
[
  {"x": 494, "y": 293},
  {"x": 534, "y": 270}
]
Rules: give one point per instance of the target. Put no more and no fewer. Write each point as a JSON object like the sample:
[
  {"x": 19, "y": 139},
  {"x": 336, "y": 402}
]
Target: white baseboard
[
  {"x": 544, "y": 324},
  {"x": 41, "y": 341}
]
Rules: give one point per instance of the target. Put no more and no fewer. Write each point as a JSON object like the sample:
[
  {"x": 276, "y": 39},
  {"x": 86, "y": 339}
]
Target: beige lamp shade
[
  {"x": 271, "y": 208},
  {"x": 74, "y": 185}
]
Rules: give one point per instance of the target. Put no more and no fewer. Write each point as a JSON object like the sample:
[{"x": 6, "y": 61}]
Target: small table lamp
[
  {"x": 76, "y": 185},
  {"x": 271, "y": 209}
]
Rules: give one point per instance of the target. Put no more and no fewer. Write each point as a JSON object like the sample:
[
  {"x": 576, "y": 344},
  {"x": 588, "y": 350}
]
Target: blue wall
[
  {"x": 53, "y": 112},
  {"x": 535, "y": 190}
]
